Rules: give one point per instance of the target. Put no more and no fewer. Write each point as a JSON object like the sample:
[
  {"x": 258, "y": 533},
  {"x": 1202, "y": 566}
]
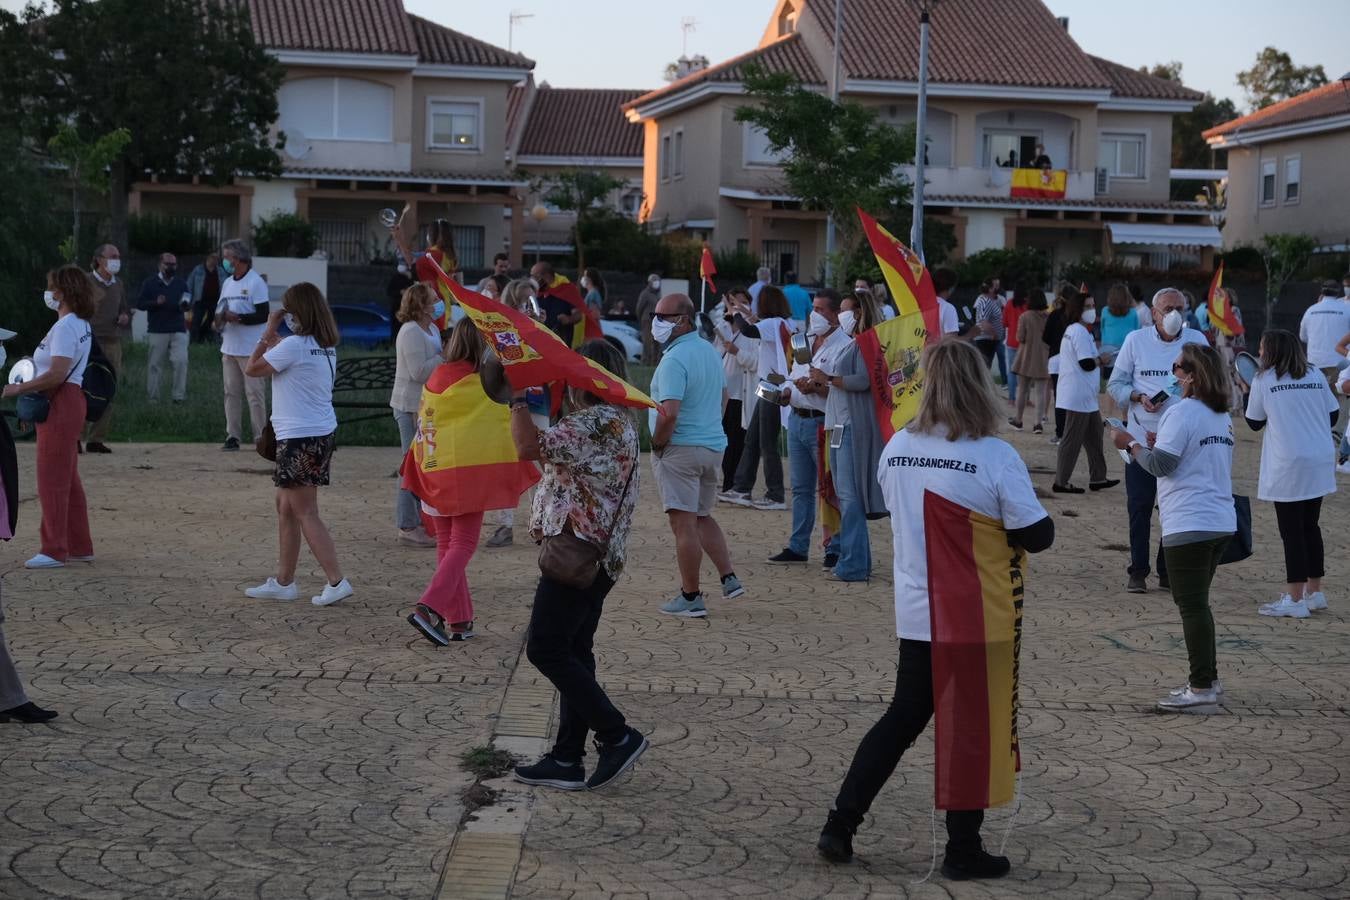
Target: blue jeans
[
  {"x": 1141, "y": 492},
  {"x": 1011, "y": 353},
  {"x": 803, "y": 436},
  {"x": 855, "y": 549}
]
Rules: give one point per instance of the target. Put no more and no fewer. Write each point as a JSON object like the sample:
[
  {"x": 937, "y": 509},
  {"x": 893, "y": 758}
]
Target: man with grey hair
[
  {"x": 242, "y": 309},
  {"x": 1142, "y": 383},
  {"x": 763, "y": 276},
  {"x": 111, "y": 315}
]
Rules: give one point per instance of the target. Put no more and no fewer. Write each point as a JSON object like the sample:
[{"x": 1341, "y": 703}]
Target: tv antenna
[
  {"x": 687, "y": 24},
  {"x": 516, "y": 18}
]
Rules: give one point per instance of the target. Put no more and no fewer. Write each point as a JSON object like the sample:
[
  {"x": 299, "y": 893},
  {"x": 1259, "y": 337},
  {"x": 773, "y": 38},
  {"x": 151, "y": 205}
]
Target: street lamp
[
  {"x": 920, "y": 128},
  {"x": 539, "y": 214}
]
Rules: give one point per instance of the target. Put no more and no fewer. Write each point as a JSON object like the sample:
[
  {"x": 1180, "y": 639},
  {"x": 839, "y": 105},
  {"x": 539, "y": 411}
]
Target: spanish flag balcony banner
[
  {"x": 1041, "y": 184},
  {"x": 1221, "y": 312},
  {"x": 532, "y": 355},
  {"x": 462, "y": 458},
  {"x": 975, "y": 609},
  {"x": 892, "y": 349}
]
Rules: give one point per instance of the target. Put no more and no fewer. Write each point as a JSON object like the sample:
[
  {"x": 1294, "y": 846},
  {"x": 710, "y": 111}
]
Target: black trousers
[
  {"x": 562, "y": 631},
  {"x": 881, "y": 748},
  {"x": 1059, "y": 413},
  {"x": 203, "y": 315},
  {"x": 731, "y": 425},
  {"x": 1302, "y": 538},
  {"x": 762, "y": 441}
]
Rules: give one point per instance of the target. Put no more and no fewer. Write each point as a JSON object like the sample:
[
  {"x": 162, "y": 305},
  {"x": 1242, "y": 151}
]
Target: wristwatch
[{"x": 1129, "y": 448}]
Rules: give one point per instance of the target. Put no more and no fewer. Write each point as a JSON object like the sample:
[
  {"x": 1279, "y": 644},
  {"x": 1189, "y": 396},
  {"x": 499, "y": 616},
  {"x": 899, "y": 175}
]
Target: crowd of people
[{"x": 782, "y": 362}]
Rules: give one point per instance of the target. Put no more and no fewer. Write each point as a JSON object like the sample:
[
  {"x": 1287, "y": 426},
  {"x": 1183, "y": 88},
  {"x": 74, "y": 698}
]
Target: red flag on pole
[
  {"x": 706, "y": 269},
  {"x": 1221, "y": 312}
]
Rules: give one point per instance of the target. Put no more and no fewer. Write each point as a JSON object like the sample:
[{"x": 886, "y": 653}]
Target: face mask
[
  {"x": 655, "y": 283},
  {"x": 662, "y": 330},
  {"x": 169, "y": 271},
  {"x": 227, "y": 266},
  {"x": 438, "y": 309},
  {"x": 291, "y": 323},
  {"x": 1089, "y": 316},
  {"x": 848, "y": 320},
  {"x": 818, "y": 324},
  {"x": 1174, "y": 386},
  {"x": 402, "y": 269},
  {"x": 113, "y": 266},
  {"x": 50, "y": 299},
  {"x": 586, "y": 283},
  {"x": 1172, "y": 323}
]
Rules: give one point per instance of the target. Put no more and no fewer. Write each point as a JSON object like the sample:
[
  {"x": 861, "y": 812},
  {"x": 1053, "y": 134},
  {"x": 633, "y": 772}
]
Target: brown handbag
[
  {"x": 266, "y": 444},
  {"x": 575, "y": 562}
]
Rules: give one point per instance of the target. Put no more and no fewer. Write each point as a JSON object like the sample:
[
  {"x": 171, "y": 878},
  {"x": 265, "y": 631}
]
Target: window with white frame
[
  {"x": 337, "y": 109},
  {"x": 1292, "y": 177},
  {"x": 677, "y": 167},
  {"x": 665, "y": 157},
  {"x": 1267, "y": 183},
  {"x": 1121, "y": 154},
  {"x": 454, "y": 124},
  {"x": 757, "y": 149}
]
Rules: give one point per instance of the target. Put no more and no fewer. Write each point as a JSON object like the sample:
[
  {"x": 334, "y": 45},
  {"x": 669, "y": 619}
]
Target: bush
[
  {"x": 1014, "y": 265},
  {"x": 285, "y": 234},
  {"x": 31, "y": 231},
  {"x": 736, "y": 266},
  {"x": 617, "y": 242},
  {"x": 151, "y": 233}
]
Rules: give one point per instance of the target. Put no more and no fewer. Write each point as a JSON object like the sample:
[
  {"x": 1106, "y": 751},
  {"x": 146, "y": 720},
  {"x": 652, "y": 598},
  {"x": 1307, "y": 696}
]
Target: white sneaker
[
  {"x": 1286, "y": 606},
  {"x": 43, "y": 561},
  {"x": 270, "y": 590},
  {"x": 1191, "y": 701},
  {"x": 332, "y": 593},
  {"x": 1344, "y": 468},
  {"x": 1315, "y": 600},
  {"x": 1216, "y": 687},
  {"x": 766, "y": 503},
  {"x": 735, "y": 498}
]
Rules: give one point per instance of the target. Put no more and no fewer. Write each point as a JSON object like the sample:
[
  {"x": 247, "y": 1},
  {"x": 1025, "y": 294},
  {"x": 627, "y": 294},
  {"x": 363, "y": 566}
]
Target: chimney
[
  {"x": 686, "y": 65},
  {"x": 1063, "y": 22}
]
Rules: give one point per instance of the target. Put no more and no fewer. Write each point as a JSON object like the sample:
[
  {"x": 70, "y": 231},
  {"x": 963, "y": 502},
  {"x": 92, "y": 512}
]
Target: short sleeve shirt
[
  {"x": 241, "y": 296},
  {"x": 1297, "y": 457},
  {"x": 690, "y": 371},
  {"x": 1198, "y": 495},
  {"x": 302, "y": 389},
  {"x": 1077, "y": 391},
  {"x": 71, "y": 338},
  {"x": 1322, "y": 327}
]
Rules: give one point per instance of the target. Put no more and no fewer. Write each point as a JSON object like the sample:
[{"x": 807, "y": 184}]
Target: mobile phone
[
  {"x": 1159, "y": 397},
  {"x": 836, "y": 437}
]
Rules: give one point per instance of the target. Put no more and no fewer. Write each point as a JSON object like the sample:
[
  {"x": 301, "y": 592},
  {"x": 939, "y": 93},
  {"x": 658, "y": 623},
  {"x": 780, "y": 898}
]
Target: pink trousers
[
  {"x": 65, "y": 517},
  {"x": 448, "y": 592}
]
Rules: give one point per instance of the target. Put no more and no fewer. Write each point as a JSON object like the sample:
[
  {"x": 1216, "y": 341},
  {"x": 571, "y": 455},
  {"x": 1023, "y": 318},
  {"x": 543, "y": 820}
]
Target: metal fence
[
  {"x": 469, "y": 240},
  {"x": 781, "y": 257},
  {"x": 343, "y": 240}
]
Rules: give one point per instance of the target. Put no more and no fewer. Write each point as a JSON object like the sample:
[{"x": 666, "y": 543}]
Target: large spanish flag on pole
[
  {"x": 1221, "y": 312},
  {"x": 1039, "y": 184},
  {"x": 462, "y": 458},
  {"x": 532, "y": 355},
  {"x": 892, "y": 349},
  {"x": 588, "y": 329},
  {"x": 975, "y": 609}
]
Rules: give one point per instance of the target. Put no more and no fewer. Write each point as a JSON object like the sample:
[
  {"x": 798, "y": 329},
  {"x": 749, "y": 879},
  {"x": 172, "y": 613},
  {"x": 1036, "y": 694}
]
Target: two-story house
[
  {"x": 1003, "y": 78},
  {"x": 1289, "y": 168},
  {"x": 380, "y": 108}
]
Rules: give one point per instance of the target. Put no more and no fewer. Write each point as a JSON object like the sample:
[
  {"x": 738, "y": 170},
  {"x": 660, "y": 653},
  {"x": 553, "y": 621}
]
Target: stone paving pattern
[{"x": 215, "y": 746}]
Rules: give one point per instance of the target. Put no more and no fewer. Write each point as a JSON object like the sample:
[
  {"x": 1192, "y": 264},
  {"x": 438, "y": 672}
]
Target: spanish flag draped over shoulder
[
  {"x": 975, "y": 609},
  {"x": 1221, "y": 312},
  {"x": 892, "y": 349},
  {"x": 532, "y": 355},
  {"x": 1042, "y": 184},
  {"x": 462, "y": 458},
  {"x": 588, "y": 329}
]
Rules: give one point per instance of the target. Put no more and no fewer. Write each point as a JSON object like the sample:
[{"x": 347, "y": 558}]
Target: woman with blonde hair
[
  {"x": 302, "y": 367},
  {"x": 949, "y": 450},
  {"x": 417, "y": 351}
]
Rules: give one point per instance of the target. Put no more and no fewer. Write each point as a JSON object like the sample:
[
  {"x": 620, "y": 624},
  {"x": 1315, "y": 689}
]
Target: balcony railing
[{"x": 992, "y": 183}]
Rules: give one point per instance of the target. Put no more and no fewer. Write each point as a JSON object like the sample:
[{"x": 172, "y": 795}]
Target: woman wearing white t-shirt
[
  {"x": 1192, "y": 458},
  {"x": 1076, "y": 394},
  {"x": 417, "y": 354},
  {"x": 59, "y": 362},
  {"x": 1297, "y": 463},
  {"x": 948, "y": 449},
  {"x": 302, "y": 367}
]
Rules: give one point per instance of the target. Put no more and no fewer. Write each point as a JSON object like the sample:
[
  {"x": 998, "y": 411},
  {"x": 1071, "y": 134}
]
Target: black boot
[
  {"x": 29, "y": 713},
  {"x": 836, "y": 839},
  {"x": 962, "y": 865}
]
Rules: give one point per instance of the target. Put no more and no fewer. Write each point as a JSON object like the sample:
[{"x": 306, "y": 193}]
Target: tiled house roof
[
  {"x": 1127, "y": 82},
  {"x": 1320, "y": 103},
  {"x": 580, "y": 122},
  {"x": 441, "y": 45},
  {"x": 787, "y": 54}
]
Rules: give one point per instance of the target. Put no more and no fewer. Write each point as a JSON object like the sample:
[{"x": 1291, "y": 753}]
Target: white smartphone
[{"x": 836, "y": 437}]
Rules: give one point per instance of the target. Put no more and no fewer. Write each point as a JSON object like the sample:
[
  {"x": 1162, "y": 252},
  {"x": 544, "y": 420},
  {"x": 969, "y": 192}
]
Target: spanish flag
[
  {"x": 429, "y": 269},
  {"x": 588, "y": 329},
  {"x": 532, "y": 355},
  {"x": 462, "y": 458},
  {"x": 706, "y": 269},
  {"x": 1221, "y": 312},
  {"x": 975, "y": 609},
  {"x": 892, "y": 349},
  {"x": 830, "y": 514},
  {"x": 1041, "y": 184}
]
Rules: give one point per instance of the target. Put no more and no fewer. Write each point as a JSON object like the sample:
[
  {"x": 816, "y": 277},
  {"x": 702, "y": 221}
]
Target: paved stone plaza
[{"x": 215, "y": 746}]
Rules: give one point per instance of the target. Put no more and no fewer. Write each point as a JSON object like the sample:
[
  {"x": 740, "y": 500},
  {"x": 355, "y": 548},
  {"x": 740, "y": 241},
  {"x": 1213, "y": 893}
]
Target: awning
[{"x": 1159, "y": 235}]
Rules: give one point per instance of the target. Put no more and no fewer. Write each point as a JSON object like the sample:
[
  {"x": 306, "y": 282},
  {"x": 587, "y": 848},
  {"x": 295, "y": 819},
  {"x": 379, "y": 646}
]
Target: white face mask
[
  {"x": 818, "y": 324},
  {"x": 291, "y": 323},
  {"x": 586, "y": 283},
  {"x": 848, "y": 320},
  {"x": 655, "y": 283},
  {"x": 662, "y": 330},
  {"x": 114, "y": 266},
  {"x": 402, "y": 269},
  {"x": 1172, "y": 323},
  {"x": 50, "y": 299},
  {"x": 1089, "y": 316}
]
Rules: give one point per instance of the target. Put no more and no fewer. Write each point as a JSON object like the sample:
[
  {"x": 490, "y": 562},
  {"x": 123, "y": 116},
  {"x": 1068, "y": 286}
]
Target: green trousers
[{"x": 1190, "y": 569}]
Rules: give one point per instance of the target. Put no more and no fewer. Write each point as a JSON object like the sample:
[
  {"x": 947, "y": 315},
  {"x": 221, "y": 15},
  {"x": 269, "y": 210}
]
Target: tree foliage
[
  {"x": 1189, "y": 148},
  {"x": 285, "y": 234},
  {"x": 30, "y": 230},
  {"x": 186, "y": 79},
  {"x": 582, "y": 192},
  {"x": 1283, "y": 255},
  {"x": 1274, "y": 77},
  {"x": 85, "y": 164},
  {"x": 836, "y": 157}
]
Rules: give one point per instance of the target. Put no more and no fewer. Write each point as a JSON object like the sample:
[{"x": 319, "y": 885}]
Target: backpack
[{"x": 100, "y": 383}]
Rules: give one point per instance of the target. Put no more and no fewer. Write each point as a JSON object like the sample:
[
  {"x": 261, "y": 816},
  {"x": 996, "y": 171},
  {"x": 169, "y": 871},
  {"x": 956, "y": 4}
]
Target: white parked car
[{"x": 624, "y": 336}]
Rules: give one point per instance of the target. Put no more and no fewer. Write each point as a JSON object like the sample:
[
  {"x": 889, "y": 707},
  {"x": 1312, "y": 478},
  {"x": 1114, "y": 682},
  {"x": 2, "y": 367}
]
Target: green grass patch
[{"x": 488, "y": 762}]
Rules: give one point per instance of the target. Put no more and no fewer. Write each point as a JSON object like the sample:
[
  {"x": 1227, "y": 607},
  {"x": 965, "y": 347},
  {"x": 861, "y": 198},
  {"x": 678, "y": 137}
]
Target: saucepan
[
  {"x": 22, "y": 371},
  {"x": 1247, "y": 367},
  {"x": 801, "y": 349},
  {"x": 767, "y": 390}
]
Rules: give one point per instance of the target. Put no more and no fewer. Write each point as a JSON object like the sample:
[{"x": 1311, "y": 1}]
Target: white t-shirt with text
[
  {"x": 71, "y": 338},
  {"x": 1198, "y": 495},
  {"x": 1297, "y": 456},
  {"x": 1148, "y": 358},
  {"x": 302, "y": 389},
  {"x": 1323, "y": 325},
  {"x": 1077, "y": 390},
  {"x": 241, "y": 297}
]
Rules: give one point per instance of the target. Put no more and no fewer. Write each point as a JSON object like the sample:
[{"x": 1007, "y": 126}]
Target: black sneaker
[
  {"x": 97, "y": 447},
  {"x": 836, "y": 840},
  {"x": 831, "y": 560},
  {"x": 1103, "y": 485},
  {"x": 230, "y": 444},
  {"x": 1137, "y": 585},
  {"x": 974, "y": 864},
  {"x": 430, "y": 626},
  {"x": 548, "y": 772},
  {"x": 615, "y": 759},
  {"x": 787, "y": 557},
  {"x": 29, "y": 713},
  {"x": 1065, "y": 489}
]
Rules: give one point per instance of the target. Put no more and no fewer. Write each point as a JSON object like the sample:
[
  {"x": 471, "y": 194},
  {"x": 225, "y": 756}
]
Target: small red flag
[
  {"x": 706, "y": 268},
  {"x": 1221, "y": 312}
]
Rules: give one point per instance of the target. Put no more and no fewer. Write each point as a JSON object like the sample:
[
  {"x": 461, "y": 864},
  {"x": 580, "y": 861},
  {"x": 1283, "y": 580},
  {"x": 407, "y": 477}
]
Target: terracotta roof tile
[
  {"x": 440, "y": 45},
  {"x": 353, "y": 26},
  {"x": 1319, "y": 103},
  {"x": 580, "y": 122},
  {"x": 517, "y": 100},
  {"x": 787, "y": 54},
  {"x": 1127, "y": 82}
]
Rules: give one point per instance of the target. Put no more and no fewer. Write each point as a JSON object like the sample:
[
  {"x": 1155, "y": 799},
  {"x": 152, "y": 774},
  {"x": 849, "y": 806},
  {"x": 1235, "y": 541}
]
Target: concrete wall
[
  {"x": 692, "y": 195},
  {"x": 1157, "y": 128},
  {"x": 984, "y": 229},
  {"x": 1323, "y": 207}
]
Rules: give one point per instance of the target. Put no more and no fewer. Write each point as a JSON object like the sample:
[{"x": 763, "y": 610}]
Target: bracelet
[{"x": 519, "y": 404}]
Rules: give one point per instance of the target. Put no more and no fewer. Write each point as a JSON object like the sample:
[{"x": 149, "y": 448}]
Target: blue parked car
[{"x": 362, "y": 326}]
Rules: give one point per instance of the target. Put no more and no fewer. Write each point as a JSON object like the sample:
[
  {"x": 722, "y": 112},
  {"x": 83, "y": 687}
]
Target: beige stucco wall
[
  {"x": 362, "y": 154},
  {"x": 1157, "y": 152},
  {"x": 1323, "y": 207},
  {"x": 694, "y": 195},
  {"x": 490, "y": 157}
]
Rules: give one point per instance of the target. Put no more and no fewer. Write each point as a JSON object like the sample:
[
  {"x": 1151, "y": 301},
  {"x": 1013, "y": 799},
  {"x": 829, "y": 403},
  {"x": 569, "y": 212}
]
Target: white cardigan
[{"x": 418, "y": 353}]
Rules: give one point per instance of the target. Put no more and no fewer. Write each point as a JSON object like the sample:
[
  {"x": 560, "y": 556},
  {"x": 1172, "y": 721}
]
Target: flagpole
[
  {"x": 703, "y": 293},
  {"x": 920, "y": 131},
  {"x": 834, "y": 98}
]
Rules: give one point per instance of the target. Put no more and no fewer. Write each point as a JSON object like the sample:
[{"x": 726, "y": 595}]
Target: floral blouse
[{"x": 588, "y": 457}]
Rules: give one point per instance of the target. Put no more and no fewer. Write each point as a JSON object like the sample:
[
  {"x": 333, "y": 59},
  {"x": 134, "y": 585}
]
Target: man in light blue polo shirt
[{"x": 687, "y": 447}]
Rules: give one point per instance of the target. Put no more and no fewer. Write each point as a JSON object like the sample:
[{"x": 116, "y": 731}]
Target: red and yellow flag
[
  {"x": 1042, "y": 184},
  {"x": 830, "y": 513},
  {"x": 1221, "y": 312},
  {"x": 462, "y": 458},
  {"x": 892, "y": 349},
  {"x": 533, "y": 355},
  {"x": 706, "y": 268},
  {"x": 588, "y": 329},
  {"x": 975, "y": 609},
  {"x": 428, "y": 269}
]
